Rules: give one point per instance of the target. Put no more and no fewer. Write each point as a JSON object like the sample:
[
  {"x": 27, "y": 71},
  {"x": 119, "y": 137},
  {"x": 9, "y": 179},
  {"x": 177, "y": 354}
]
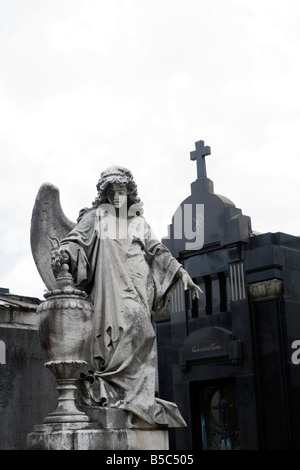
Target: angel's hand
[
  {"x": 189, "y": 284},
  {"x": 59, "y": 256}
]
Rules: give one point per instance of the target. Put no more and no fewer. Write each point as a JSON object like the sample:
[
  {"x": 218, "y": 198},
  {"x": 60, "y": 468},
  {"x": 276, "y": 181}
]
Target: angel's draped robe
[{"x": 128, "y": 275}]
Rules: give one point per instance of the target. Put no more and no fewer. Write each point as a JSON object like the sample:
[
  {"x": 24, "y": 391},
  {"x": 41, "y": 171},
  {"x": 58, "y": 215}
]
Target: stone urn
[{"x": 64, "y": 322}]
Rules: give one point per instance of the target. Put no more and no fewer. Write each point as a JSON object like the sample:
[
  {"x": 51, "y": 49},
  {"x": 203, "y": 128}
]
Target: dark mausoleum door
[{"x": 215, "y": 424}]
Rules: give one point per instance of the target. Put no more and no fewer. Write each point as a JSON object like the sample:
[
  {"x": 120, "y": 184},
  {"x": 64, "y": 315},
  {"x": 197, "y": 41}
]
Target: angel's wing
[{"x": 48, "y": 221}]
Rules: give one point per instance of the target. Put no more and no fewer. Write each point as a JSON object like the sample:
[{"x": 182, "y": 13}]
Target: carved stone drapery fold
[{"x": 263, "y": 289}]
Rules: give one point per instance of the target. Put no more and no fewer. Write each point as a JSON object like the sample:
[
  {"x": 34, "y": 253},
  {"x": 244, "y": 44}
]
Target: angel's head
[{"x": 115, "y": 185}]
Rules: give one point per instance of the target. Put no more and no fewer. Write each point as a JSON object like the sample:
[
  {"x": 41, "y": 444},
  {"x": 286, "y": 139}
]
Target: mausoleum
[
  {"x": 232, "y": 355},
  {"x": 230, "y": 360}
]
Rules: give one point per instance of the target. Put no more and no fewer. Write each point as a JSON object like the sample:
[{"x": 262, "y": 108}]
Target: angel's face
[{"x": 117, "y": 195}]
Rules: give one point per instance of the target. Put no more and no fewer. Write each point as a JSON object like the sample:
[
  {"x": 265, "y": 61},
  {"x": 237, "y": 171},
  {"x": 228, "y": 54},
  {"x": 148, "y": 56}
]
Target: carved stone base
[
  {"x": 114, "y": 418},
  {"x": 66, "y": 411},
  {"x": 89, "y": 436}
]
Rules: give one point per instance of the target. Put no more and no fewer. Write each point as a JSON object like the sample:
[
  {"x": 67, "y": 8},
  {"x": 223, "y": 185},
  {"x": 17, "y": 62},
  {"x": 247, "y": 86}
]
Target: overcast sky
[{"x": 89, "y": 83}]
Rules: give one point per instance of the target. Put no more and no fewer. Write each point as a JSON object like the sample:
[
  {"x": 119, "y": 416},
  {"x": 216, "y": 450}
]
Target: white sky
[{"x": 85, "y": 84}]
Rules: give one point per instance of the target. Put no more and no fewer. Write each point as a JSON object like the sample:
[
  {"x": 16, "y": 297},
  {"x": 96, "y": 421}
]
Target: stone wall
[{"x": 27, "y": 389}]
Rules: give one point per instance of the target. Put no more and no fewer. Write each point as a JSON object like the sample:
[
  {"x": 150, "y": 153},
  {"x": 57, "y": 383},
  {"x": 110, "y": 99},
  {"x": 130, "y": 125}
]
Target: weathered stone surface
[
  {"x": 65, "y": 327},
  {"x": 89, "y": 436},
  {"x": 128, "y": 275},
  {"x": 269, "y": 288},
  {"x": 114, "y": 418}
]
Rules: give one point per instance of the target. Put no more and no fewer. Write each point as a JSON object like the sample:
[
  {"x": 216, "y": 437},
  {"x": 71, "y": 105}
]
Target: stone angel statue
[{"x": 128, "y": 275}]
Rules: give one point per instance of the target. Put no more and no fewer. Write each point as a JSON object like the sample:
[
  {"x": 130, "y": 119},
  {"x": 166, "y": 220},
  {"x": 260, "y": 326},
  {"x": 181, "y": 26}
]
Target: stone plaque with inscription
[{"x": 209, "y": 344}]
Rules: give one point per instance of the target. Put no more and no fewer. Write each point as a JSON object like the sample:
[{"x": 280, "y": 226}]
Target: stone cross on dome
[{"x": 199, "y": 155}]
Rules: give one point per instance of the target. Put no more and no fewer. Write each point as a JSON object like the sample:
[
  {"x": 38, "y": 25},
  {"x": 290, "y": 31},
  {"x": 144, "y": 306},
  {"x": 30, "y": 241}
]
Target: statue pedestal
[{"x": 104, "y": 434}]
